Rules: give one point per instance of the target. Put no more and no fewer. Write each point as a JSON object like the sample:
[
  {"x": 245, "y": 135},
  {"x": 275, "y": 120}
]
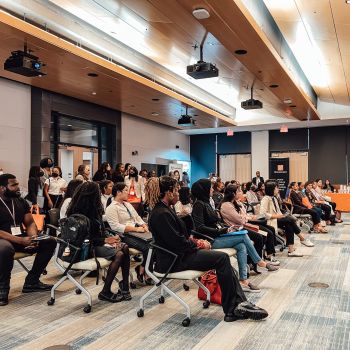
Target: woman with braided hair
[{"x": 170, "y": 233}]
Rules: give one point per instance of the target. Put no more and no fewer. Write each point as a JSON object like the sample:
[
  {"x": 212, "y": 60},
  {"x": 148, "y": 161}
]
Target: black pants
[
  {"x": 44, "y": 252},
  {"x": 290, "y": 227},
  {"x": 316, "y": 219},
  {"x": 204, "y": 260},
  {"x": 139, "y": 244},
  {"x": 327, "y": 211},
  {"x": 258, "y": 240}
]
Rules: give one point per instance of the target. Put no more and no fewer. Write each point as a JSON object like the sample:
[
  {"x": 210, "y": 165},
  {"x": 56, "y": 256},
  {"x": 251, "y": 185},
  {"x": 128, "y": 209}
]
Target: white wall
[
  {"x": 154, "y": 142},
  {"x": 260, "y": 153},
  {"x": 15, "y": 116}
]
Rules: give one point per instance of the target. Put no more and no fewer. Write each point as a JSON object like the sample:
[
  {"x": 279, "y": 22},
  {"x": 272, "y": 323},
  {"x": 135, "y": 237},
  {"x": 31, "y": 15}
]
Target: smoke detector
[{"x": 201, "y": 13}]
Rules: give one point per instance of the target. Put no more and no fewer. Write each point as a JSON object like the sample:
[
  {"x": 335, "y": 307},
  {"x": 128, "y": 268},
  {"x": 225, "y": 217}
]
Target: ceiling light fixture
[
  {"x": 201, "y": 13},
  {"x": 241, "y": 52},
  {"x": 155, "y": 114},
  {"x": 93, "y": 93},
  {"x": 155, "y": 99},
  {"x": 70, "y": 125},
  {"x": 230, "y": 132},
  {"x": 292, "y": 106},
  {"x": 347, "y": 2},
  {"x": 287, "y": 101}
]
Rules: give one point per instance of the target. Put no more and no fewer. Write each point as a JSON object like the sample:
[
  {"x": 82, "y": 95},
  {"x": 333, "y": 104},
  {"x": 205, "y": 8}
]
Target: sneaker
[
  {"x": 271, "y": 267},
  {"x": 37, "y": 287},
  {"x": 273, "y": 261},
  {"x": 307, "y": 243},
  {"x": 250, "y": 288},
  {"x": 110, "y": 297},
  {"x": 294, "y": 254},
  {"x": 247, "y": 310}
]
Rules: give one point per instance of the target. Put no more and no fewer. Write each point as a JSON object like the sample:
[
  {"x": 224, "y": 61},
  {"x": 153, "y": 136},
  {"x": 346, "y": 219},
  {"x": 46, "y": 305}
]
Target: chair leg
[
  {"x": 144, "y": 297},
  {"x": 178, "y": 299},
  {"x": 57, "y": 284},
  {"x": 80, "y": 287},
  {"x": 202, "y": 286},
  {"x": 23, "y": 266}
]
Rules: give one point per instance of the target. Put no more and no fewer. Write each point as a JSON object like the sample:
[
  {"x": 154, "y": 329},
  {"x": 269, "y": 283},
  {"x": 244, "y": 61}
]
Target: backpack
[{"x": 75, "y": 231}]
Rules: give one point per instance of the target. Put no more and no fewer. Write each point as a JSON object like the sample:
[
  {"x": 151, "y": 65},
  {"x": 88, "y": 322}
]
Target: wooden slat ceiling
[
  {"x": 326, "y": 24},
  {"x": 117, "y": 88}
]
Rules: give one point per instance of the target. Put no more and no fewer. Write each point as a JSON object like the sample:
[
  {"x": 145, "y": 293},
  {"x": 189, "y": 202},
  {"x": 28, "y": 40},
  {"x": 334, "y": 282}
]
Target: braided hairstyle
[
  {"x": 86, "y": 200},
  {"x": 156, "y": 188}
]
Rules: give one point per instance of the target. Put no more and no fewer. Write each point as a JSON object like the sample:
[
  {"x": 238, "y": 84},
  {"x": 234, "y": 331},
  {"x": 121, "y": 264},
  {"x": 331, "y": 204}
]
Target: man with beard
[{"x": 14, "y": 214}]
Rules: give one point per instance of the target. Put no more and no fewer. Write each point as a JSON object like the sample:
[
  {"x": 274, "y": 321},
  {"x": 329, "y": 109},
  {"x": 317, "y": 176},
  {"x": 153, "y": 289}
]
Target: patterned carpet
[{"x": 301, "y": 317}]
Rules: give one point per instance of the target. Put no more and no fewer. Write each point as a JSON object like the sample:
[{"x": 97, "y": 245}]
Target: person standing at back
[
  {"x": 103, "y": 173},
  {"x": 257, "y": 179},
  {"x": 83, "y": 173},
  {"x": 35, "y": 189},
  {"x": 46, "y": 165}
]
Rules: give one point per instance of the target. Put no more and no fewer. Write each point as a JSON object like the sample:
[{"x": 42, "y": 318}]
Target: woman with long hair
[
  {"x": 135, "y": 185},
  {"x": 106, "y": 187},
  {"x": 103, "y": 173},
  {"x": 170, "y": 233},
  {"x": 35, "y": 188},
  {"x": 72, "y": 186},
  {"x": 118, "y": 174},
  {"x": 83, "y": 173},
  {"x": 87, "y": 201}
]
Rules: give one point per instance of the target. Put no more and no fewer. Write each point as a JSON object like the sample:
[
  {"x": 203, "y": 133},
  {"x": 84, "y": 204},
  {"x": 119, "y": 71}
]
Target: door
[{"x": 235, "y": 167}]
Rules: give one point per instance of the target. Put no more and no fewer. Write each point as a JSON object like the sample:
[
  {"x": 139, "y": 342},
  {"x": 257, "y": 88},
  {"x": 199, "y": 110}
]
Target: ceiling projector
[
  {"x": 23, "y": 63},
  {"x": 251, "y": 104},
  {"x": 185, "y": 120},
  {"x": 202, "y": 70}
]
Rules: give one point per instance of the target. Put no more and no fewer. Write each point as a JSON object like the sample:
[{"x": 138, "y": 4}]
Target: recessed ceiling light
[
  {"x": 93, "y": 93},
  {"x": 155, "y": 114},
  {"x": 287, "y": 101},
  {"x": 273, "y": 86},
  {"x": 155, "y": 99},
  {"x": 92, "y": 75},
  {"x": 201, "y": 13},
  {"x": 241, "y": 52}
]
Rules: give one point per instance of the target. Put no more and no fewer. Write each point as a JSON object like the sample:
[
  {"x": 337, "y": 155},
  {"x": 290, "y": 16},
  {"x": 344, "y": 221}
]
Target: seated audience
[
  {"x": 176, "y": 175},
  {"x": 72, "y": 185},
  {"x": 270, "y": 208},
  {"x": 14, "y": 214},
  {"x": 234, "y": 213},
  {"x": 318, "y": 186},
  {"x": 83, "y": 173},
  {"x": 122, "y": 217},
  {"x": 135, "y": 185},
  {"x": 106, "y": 187},
  {"x": 184, "y": 206},
  {"x": 103, "y": 173},
  {"x": 118, "y": 174},
  {"x": 54, "y": 189},
  {"x": 207, "y": 222},
  {"x": 218, "y": 194},
  {"x": 257, "y": 179},
  {"x": 169, "y": 232},
  {"x": 328, "y": 186},
  {"x": 260, "y": 191},
  {"x": 87, "y": 201},
  {"x": 127, "y": 167}
]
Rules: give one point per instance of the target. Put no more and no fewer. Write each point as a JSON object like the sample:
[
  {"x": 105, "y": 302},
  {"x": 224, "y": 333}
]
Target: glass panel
[{"x": 79, "y": 132}]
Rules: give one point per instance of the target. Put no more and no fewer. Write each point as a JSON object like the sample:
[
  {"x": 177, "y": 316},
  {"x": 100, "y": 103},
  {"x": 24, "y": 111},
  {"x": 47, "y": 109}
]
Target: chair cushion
[
  {"x": 19, "y": 255},
  {"x": 229, "y": 251},
  {"x": 87, "y": 265},
  {"x": 182, "y": 275}
]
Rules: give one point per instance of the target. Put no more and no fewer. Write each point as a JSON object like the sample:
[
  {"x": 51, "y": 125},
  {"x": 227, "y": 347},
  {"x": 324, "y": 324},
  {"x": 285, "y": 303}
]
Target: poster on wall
[
  {"x": 175, "y": 166},
  {"x": 279, "y": 171}
]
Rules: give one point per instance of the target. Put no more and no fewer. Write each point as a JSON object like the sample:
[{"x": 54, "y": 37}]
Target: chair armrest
[
  {"x": 201, "y": 235},
  {"x": 175, "y": 256}
]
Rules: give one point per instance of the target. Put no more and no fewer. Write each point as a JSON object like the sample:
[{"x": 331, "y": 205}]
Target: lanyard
[
  {"x": 8, "y": 209},
  {"x": 128, "y": 211}
]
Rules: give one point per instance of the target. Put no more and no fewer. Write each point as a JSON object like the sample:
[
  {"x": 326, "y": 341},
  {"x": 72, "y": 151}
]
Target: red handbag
[{"x": 210, "y": 281}]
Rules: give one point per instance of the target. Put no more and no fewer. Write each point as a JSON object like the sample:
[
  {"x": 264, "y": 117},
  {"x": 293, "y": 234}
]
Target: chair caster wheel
[
  {"x": 186, "y": 322},
  {"x": 140, "y": 313},
  {"x": 51, "y": 302},
  {"x": 281, "y": 249},
  {"x": 132, "y": 285},
  {"x": 161, "y": 300},
  {"x": 186, "y": 287},
  {"x": 77, "y": 291},
  {"x": 44, "y": 272},
  {"x": 87, "y": 309},
  {"x": 206, "y": 304}
]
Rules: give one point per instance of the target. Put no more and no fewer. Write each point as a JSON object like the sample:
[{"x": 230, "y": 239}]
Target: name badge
[{"x": 16, "y": 230}]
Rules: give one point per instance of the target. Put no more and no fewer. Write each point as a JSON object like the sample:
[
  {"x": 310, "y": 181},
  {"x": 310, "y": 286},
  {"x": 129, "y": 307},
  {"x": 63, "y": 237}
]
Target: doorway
[
  {"x": 70, "y": 157},
  {"x": 235, "y": 167}
]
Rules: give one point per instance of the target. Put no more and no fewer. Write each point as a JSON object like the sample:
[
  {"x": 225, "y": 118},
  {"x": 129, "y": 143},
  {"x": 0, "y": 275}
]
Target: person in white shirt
[
  {"x": 72, "y": 186},
  {"x": 106, "y": 187},
  {"x": 135, "y": 184},
  {"x": 184, "y": 206},
  {"x": 122, "y": 217},
  {"x": 54, "y": 189}
]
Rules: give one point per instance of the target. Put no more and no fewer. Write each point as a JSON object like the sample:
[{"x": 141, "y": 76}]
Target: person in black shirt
[
  {"x": 170, "y": 233},
  {"x": 103, "y": 173},
  {"x": 15, "y": 212}
]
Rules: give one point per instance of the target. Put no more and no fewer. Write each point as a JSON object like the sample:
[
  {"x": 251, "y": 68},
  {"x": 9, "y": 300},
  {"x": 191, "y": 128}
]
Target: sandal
[{"x": 110, "y": 297}]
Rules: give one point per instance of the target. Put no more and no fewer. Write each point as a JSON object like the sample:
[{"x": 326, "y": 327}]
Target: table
[{"x": 341, "y": 199}]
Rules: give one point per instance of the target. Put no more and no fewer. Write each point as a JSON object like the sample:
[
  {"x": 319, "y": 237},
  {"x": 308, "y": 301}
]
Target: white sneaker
[
  {"x": 273, "y": 261},
  {"x": 307, "y": 243},
  {"x": 294, "y": 254}
]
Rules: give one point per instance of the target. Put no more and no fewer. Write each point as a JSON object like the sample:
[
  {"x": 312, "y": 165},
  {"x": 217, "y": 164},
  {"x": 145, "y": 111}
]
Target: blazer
[
  {"x": 254, "y": 180},
  {"x": 268, "y": 208},
  {"x": 169, "y": 232}
]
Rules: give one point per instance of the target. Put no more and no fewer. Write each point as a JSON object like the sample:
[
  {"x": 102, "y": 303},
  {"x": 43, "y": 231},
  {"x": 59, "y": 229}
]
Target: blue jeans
[{"x": 243, "y": 245}]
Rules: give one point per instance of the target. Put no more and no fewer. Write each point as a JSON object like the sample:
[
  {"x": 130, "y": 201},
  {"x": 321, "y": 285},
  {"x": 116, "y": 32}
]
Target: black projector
[
  {"x": 185, "y": 120},
  {"x": 23, "y": 63},
  {"x": 202, "y": 70},
  {"x": 251, "y": 104}
]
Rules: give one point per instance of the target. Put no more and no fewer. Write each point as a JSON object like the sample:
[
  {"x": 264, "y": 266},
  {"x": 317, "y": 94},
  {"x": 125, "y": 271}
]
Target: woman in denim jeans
[{"x": 208, "y": 223}]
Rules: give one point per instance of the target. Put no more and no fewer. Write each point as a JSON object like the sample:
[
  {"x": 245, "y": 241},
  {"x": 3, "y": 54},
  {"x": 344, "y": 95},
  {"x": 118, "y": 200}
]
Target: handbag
[
  {"x": 37, "y": 217},
  {"x": 210, "y": 281}
]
